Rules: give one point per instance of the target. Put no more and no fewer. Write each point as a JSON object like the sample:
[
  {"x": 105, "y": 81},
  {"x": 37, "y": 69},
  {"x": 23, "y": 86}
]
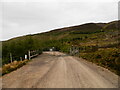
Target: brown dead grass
[{"x": 7, "y": 68}]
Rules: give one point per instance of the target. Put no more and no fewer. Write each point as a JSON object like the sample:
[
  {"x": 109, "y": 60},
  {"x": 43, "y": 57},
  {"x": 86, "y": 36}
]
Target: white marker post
[{"x": 25, "y": 56}]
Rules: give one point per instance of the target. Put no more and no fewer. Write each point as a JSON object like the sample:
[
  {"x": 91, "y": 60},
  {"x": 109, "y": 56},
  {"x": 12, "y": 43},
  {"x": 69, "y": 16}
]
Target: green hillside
[{"x": 96, "y": 42}]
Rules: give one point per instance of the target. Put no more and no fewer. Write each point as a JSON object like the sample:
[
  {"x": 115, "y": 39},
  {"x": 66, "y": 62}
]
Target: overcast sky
[{"x": 21, "y": 17}]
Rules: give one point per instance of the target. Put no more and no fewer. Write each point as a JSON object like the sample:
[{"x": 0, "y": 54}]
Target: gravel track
[{"x": 58, "y": 70}]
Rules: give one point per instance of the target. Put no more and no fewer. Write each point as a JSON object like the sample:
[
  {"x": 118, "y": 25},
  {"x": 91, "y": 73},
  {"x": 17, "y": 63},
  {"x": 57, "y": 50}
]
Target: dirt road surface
[{"x": 58, "y": 70}]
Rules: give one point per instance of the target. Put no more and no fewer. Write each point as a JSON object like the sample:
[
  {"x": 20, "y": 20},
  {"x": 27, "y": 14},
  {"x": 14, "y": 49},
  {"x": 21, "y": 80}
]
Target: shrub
[{"x": 109, "y": 58}]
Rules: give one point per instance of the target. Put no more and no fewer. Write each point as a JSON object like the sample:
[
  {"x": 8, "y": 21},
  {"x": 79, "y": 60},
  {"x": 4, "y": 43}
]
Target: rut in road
[{"x": 60, "y": 71}]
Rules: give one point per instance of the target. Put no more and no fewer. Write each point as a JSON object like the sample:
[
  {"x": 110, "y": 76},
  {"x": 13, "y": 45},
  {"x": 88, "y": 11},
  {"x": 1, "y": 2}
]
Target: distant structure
[{"x": 52, "y": 49}]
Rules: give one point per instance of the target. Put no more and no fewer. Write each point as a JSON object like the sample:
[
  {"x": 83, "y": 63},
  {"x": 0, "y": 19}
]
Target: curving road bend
[{"x": 58, "y": 70}]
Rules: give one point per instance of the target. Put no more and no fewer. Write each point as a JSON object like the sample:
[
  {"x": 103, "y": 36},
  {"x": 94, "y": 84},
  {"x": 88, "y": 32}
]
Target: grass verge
[{"x": 7, "y": 68}]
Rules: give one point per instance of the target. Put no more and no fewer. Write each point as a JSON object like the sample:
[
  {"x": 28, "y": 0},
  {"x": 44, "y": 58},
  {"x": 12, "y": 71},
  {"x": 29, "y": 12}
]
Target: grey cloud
[{"x": 21, "y": 18}]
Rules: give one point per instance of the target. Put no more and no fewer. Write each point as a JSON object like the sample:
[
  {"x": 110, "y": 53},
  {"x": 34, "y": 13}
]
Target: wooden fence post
[
  {"x": 70, "y": 51},
  {"x": 29, "y": 55},
  {"x": 21, "y": 58},
  {"x": 11, "y": 57}
]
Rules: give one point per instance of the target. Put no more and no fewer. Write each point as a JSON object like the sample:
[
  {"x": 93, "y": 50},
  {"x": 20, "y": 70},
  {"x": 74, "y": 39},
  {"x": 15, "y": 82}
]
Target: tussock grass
[{"x": 7, "y": 68}]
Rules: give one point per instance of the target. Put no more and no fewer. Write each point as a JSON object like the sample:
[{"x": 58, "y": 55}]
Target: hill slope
[{"x": 96, "y": 42}]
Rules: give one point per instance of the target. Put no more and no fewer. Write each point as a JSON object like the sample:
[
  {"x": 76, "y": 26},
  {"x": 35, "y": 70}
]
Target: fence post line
[
  {"x": 32, "y": 53},
  {"x": 11, "y": 57}
]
